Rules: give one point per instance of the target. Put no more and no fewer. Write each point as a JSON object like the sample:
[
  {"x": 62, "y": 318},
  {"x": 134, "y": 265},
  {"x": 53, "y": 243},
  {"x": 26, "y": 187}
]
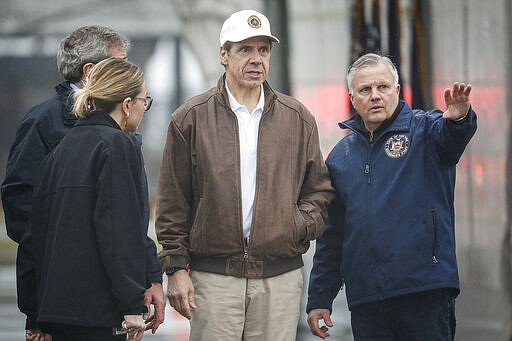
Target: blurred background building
[{"x": 434, "y": 43}]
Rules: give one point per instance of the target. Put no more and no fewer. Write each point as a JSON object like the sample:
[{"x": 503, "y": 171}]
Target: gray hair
[
  {"x": 370, "y": 59},
  {"x": 87, "y": 44}
]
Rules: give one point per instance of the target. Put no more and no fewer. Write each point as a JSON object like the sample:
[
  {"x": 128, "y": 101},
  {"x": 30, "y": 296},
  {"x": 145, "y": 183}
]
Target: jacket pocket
[
  {"x": 198, "y": 225},
  {"x": 300, "y": 232}
]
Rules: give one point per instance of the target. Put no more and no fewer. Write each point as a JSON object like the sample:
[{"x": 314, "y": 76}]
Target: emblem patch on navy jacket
[{"x": 397, "y": 146}]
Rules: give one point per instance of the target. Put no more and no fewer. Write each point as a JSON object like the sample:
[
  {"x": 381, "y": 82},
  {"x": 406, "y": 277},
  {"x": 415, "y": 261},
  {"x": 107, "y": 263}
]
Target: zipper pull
[
  {"x": 371, "y": 136},
  {"x": 366, "y": 168},
  {"x": 434, "y": 260},
  {"x": 246, "y": 245}
]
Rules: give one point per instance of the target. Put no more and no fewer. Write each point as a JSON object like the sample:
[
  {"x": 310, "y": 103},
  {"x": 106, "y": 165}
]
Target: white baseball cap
[{"x": 245, "y": 24}]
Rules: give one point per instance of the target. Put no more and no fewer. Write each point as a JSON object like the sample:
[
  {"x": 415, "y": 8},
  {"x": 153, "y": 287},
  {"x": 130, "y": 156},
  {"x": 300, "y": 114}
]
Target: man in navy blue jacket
[
  {"x": 390, "y": 234},
  {"x": 42, "y": 128}
]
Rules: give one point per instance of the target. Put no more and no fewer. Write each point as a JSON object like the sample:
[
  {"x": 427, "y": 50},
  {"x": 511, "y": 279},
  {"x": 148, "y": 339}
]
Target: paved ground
[
  {"x": 12, "y": 321},
  {"x": 175, "y": 327},
  {"x": 479, "y": 314}
]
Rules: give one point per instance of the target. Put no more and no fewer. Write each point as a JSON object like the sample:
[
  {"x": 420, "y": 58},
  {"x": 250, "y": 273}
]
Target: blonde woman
[{"x": 89, "y": 200}]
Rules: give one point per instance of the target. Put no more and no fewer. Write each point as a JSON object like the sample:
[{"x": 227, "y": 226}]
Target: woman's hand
[{"x": 135, "y": 326}]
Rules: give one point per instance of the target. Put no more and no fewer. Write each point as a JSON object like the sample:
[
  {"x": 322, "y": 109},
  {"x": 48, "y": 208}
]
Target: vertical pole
[
  {"x": 427, "y": 42},
  {"x": 506, "y": 251},
  {"x": 508, "y": 28},
  {"x": 277, "y": 13}
]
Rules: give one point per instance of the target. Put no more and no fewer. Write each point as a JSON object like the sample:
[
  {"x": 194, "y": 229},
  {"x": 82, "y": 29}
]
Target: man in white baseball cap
[
  {"x": 245, "y": 24},
  {"x": 243, "y": 190}
]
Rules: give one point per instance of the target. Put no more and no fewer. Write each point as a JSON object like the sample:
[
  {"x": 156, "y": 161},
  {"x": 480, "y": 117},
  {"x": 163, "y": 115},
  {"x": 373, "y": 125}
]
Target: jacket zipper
[
  {"x": 434, "y": 239},
  {"x": 367, "y": 163},
  {"x": 245, "y": 256},
  {"x": 366, "y": 168}
]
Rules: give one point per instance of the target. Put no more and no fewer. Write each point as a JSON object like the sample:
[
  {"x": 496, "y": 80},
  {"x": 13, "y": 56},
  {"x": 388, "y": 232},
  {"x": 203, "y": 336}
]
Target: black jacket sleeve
[
  {"x": 118, "y": 218},
  {"x": 153, "y": 264}
]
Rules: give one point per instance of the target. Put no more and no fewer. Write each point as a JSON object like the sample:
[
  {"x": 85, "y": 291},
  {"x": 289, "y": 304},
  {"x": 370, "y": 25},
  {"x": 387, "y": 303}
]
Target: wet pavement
[
  {"x": 175, "y": 327},
  {"x": 12, "y": 321},
  {"x": 480, "y": 314}
]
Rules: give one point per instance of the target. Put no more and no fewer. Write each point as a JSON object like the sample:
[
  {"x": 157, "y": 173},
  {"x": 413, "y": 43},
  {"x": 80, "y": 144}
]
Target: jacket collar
[
  {"x": 399, "y": 121},
  {"x": 99, "y": 118},
  {"x": 270, "y": 95},
  {"x": 65, "y": 96}
]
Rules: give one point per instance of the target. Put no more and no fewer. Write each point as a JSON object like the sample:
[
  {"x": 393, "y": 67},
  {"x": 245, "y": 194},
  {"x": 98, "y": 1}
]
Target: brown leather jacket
[{"x": 199, "y": 218}]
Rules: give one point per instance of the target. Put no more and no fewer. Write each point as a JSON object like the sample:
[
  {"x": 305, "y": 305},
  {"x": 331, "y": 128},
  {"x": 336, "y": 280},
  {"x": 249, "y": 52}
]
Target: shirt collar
[
  {"x": 73, "y": 86},
  {"x": 233, "y": 103}
]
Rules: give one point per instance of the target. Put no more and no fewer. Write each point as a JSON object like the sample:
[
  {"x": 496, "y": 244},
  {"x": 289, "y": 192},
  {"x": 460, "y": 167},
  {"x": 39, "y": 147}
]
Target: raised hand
[{"x": 457, "y": 101}]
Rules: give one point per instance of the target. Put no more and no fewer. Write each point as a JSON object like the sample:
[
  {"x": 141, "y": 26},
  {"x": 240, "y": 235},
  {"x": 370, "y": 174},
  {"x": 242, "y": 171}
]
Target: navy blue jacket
[
  {"x": 390, "y": 230},
  {"x": 42, "y": 128}
]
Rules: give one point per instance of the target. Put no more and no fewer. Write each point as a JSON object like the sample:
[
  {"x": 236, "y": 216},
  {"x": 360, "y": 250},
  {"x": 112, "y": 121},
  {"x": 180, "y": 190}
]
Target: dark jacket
[
  {"x": 390, "y": 230},
  {"x": 153, "y": 264},
  {"x": 199, "y": 214},
  {"x": 87, "y": 211},
  {"x": 42, "y": 128}
]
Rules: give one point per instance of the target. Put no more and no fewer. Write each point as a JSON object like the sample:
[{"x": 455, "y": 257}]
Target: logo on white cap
[
  {"x": 244, "y": 25},
  {"x": 254, "y": 21}
]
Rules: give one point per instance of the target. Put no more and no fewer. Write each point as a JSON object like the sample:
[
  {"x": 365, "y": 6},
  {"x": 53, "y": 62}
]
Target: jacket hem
[
  {"x": 407, "y": 291},
  {"x": 237, "y": 267},
  {"x": 44, "y": 320}
]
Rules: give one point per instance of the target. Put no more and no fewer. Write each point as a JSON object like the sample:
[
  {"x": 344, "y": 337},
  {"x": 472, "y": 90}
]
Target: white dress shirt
[{"x": 248, "y": 127}]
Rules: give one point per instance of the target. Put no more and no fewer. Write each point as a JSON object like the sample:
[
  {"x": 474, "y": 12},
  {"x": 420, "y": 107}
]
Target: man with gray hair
[
  {"x": 41, "y": 129},
  {"x": 390, "y": 234}
]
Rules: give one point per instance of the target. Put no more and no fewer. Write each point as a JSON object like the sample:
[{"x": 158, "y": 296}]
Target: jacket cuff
[
  {"x": 154, "y": 277},
  {"x": 318, "y": 303},
  {"x": 174, "y": 261},
  {"x": 140, "y": 311},
  {"x": 30, "y": 322},
  {"x": 464, "y": 118},
  {"x": 310, "y": 230}
]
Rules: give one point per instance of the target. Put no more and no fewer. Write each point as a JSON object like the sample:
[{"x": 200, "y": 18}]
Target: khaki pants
[{"x": 235, "y": 309}]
